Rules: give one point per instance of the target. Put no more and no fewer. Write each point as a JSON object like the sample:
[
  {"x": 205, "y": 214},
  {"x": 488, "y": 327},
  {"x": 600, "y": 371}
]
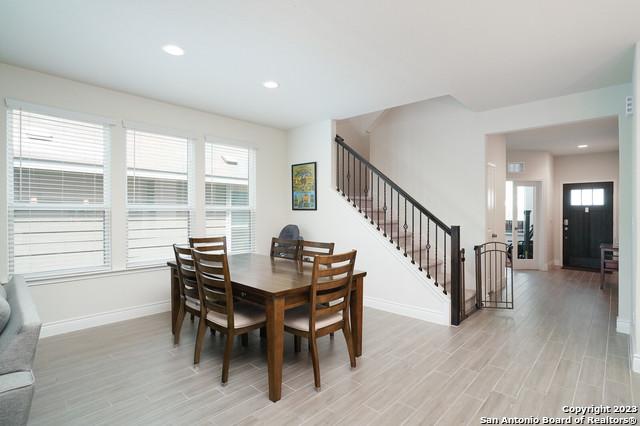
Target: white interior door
[{"x": 524, "y": 228}]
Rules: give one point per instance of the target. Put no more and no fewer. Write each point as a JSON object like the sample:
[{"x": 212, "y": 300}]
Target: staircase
[{"x": 426, "y": 241}]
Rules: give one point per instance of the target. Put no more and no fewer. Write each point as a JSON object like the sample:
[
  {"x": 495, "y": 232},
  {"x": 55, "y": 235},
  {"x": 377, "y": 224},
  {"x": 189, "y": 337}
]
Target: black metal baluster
[
  {"x": 366, "y": 190},
  {"x": 342, "y": 171},
  {"x": 337, "y": 167},
  {"x": 360, "y": 186},
  {"x": 348, "y": 176},
  {"x": 384, "y": 210},
  {"x": 437, "y": 255},
  {"x": 428, "y": 248},
  {"x": 371, "y": 192},
  {"x": 353, "y": 199},
  {"x": 420, "y": 241},
  {"x": 391, "y": 218},
  {"x": 378, "y": 198},
  {"x": 405, "y": 226},
  {"x": 413, "y": 233},
  {"x": 398, "y": 234},
  {"x": 444, "y": 238}
]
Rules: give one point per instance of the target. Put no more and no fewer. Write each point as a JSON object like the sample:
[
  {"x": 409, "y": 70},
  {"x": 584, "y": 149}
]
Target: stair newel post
[
  {"x": 456, "y": 276},
  {"x": 478, "y": 250}
]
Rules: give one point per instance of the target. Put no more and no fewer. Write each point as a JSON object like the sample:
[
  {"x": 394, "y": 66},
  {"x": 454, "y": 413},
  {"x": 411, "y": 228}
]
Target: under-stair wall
[{"x": 393, "y": 283}]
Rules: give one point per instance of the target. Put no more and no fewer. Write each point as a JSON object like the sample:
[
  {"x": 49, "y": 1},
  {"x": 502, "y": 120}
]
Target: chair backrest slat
[
  {"x": 311, "y": 249},
  {"x": 187, "y": 282},
  {"x": 285, "y": 249},
  {"x": 214, "y": 284},
  {"x": 331, "y": 285},
  {"x": 209, "y": 244}
]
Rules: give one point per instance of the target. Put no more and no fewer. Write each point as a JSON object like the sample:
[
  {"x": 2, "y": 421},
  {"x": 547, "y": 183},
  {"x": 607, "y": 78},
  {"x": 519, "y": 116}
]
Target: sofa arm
[{"x": 16, "y": 394}]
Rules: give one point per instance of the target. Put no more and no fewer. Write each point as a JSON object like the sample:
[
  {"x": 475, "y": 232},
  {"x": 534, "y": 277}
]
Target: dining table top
[{"x": 270, "y": 276}]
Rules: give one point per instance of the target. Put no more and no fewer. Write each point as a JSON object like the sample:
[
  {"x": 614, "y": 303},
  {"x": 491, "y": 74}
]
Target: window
[
  {"x": 58, "y": 194},
  {"x": 515, "y": 167},
  {"x": 158, "y": 201},
  {"x": 229, "y": 196},
  {"x": 587, "y": 197}
]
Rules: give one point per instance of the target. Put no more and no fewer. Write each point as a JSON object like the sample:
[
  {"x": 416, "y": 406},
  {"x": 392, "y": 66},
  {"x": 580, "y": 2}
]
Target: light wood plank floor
[{"x": 559, "y": 346}]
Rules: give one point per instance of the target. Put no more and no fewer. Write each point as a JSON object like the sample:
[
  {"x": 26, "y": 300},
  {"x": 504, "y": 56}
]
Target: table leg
[
  {"x": 275, "y": 344},
  {"x": 175, "y": 299},
  {"x": 602, "y": 255},
  {"x": 355, "y": 310}
]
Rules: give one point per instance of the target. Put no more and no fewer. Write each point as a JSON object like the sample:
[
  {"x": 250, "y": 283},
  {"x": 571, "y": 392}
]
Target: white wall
[
  {"x": 392, "y": 283},
  {"x": 435, "y": 149},
  {"x": 598, "y": 167},
  {"x": 538, "y": 168},
  {"x": 353, "y": 137},
  {"x": 496, "y": 155},
  {"x": 633, "y": 197},
  {"x": 60, "y": 301}
]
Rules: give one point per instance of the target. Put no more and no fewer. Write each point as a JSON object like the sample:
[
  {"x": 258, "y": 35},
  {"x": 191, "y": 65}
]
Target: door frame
[{"x": 614, "y": 233}]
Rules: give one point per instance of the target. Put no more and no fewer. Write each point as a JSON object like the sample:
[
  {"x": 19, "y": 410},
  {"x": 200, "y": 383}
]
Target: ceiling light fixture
[
  {"x": 172, "y": 49},
  {"x": 271, "y": 84},
  {"x": 582, "y": 146}
]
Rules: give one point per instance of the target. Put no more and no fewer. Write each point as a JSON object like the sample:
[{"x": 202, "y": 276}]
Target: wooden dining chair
[
  {"x": 285, "y": 249},
  {"x": 209, "y": 244},
  {"x": 310, "y": 249},
  {"x": 218, "y": 309},
  {"x": 188, "y": 287},
  {"x": 328, "y": 308}
]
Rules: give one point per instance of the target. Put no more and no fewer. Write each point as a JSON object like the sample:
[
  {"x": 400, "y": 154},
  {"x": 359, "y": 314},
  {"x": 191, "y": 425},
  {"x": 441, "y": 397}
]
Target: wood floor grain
[{"x": 557, "y": 347}]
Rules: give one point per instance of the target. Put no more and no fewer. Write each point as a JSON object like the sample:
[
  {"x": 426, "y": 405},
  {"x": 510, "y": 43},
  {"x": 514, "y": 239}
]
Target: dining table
[{"x": 277, "y": 285}]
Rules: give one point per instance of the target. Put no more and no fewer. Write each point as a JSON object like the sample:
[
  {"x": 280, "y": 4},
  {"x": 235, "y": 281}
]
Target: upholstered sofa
[{"x": 18, "y": 340}]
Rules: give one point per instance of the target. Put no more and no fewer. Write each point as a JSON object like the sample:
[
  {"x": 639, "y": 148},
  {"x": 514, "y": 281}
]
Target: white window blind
[
  {"x": 158, "y": 201},
  {"x": 58, "y": 194},
  {"x": 229, "y": 197}
]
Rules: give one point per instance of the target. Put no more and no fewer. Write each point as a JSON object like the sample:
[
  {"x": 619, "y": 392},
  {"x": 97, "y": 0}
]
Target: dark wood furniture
[
  {"x": 278, "y": 285},
  {"x": 285, "y": 249},
  {"x": 218, "y": 309},
  {"x": 189, "y": 301},
  {"x": 608, "y": 260},
  {"x": 215, "y": 244},
  {"x": 328, "y": 307},
  {"x": 311, "y": 249}
]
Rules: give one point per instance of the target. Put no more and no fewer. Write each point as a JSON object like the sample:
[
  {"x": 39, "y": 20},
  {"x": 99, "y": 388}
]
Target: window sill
[{"x": 37, "y": 281}]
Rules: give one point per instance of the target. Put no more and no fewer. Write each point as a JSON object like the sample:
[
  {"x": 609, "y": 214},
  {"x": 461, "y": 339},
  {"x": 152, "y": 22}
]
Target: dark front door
[{"x": 587, "y": 222}]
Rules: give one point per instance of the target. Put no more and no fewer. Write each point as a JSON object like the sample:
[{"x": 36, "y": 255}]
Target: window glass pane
[
  {"x": 576, "y": 197},
  {"x": 598, "y": 197},
  {"x": 587, "y": 197},
  {"x": 228, "y": 196},
  {"x": 58, "y": 213},
  {"x": 158, "y": 196}
]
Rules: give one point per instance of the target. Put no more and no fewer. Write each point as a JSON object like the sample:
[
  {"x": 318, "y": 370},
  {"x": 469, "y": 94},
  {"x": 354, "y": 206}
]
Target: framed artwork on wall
[{"x": 304, "y": 187}]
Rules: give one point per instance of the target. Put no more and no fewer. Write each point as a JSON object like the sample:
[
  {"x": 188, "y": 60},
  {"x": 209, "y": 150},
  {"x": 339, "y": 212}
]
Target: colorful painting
[{"x": 303, "y": 186}]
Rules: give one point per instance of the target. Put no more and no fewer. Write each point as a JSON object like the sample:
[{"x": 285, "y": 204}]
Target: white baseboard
[
  {"x": 635, "y": 363},
  {"x": 411, "y": 311},
  {"x": 623, "y": 326},
  {"x": 94, "y": 320}
]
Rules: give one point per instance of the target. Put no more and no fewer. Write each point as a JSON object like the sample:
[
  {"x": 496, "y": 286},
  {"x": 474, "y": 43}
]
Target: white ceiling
[
  {"x": 601, "y": 135},
  {"x": 333, "y": 59}
]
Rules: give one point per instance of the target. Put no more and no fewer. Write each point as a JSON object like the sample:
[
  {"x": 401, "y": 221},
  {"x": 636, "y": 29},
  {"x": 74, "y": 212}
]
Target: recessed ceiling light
[
  {"x": 582, "y": 146},
  {"x": 172, "y": 49},
  {"x": 271, "y": 84}
]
